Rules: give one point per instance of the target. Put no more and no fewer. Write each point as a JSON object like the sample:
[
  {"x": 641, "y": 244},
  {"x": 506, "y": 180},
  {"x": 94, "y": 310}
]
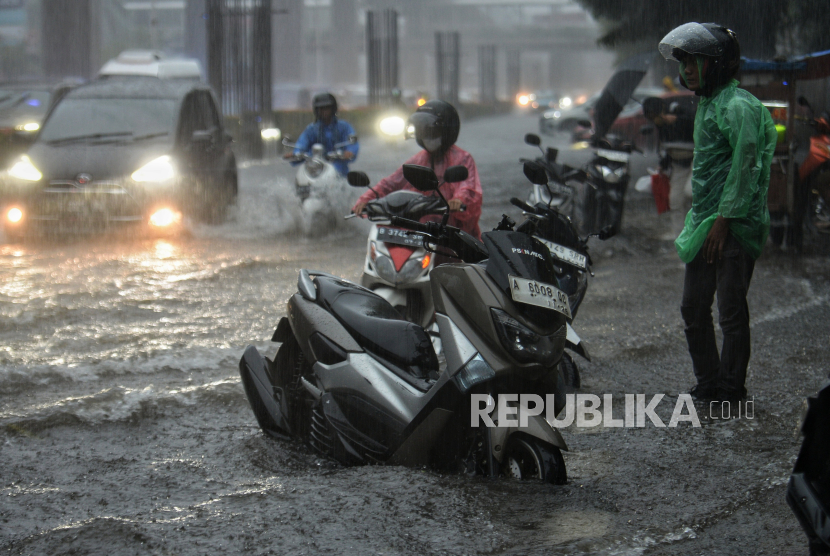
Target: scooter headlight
[
  {"x": 313, "y": 167},
  {"x": 609, "y": 175},
  {"x": 385, "y": 268},
  {"x": 525, "y": 345},
  {"x": 392, "y": 126},
  {"x": 474, "y": 372},
  {"x": 411, "y": 270}
]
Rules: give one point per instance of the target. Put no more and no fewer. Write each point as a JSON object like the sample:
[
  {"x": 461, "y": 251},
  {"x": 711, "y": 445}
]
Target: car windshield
[
  {"x": 24, "y": 101},
  {"x": 95, "y": 118}
]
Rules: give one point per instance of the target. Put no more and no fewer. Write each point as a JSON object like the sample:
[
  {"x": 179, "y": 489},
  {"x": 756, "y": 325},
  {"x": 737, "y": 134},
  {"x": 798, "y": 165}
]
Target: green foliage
[
  {"x": 810, "y": 23},
  {"x": 756, "y": 22}
]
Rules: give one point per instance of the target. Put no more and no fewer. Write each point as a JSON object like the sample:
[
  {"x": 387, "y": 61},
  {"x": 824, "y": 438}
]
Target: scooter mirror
[
  {"x": 358, "y": 179},
  {"x": 421, "y": 177},
  {"x": 607, "y": 232},
  {"x": 535, "y": 173},
  {"x": 455, "y": 174},
  {"x": 533, "y": 139}
]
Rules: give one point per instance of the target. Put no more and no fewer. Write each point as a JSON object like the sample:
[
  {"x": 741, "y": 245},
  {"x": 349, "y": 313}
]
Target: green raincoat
[{"x": 734, "y": 142}]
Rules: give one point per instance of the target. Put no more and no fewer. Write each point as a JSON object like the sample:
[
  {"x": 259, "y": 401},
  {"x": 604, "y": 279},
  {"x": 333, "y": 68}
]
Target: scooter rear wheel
[{"x": 529, "y": 459}]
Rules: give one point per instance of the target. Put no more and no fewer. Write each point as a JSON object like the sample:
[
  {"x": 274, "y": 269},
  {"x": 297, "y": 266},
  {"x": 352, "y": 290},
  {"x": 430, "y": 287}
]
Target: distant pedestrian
[{"x": 728, "y": 224}]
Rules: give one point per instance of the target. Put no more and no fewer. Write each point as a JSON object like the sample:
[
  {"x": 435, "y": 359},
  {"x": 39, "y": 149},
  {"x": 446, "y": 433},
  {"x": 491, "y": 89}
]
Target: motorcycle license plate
[
  {"x": 399, "y": 236},
  {"x": 533, "y": 292},
  {"x": 564, "y": 254}
]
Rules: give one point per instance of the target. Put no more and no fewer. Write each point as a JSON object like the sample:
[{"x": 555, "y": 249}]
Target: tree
[
  {"x": 756, "y": 22},
  {"x": 809, "y": 26}
]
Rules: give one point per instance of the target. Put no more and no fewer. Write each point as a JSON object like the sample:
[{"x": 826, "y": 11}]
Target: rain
[{"x": 155, "y": 218}]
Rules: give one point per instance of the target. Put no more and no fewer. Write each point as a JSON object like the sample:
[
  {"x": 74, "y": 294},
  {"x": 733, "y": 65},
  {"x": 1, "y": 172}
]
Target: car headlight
[
  {"x": 158, "y": 169},
  {"x": 525, "y": 345},
  {"x": 24, "y": 169},
  {"x": 392, "y": 126},
  {"x": 29, "y": 126}
]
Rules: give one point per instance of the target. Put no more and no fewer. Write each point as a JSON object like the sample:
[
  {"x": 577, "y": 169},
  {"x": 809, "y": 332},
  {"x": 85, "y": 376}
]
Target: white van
[{"x": 151, "y": 63}]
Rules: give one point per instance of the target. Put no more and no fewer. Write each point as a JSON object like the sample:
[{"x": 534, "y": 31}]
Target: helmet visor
[
  {"x": 426, "y": 125},
  {"x": 692, "y": 38}
]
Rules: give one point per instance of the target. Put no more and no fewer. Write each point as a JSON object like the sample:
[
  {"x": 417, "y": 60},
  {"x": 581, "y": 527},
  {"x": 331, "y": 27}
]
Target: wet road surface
[{"x": 124, "y": 428}]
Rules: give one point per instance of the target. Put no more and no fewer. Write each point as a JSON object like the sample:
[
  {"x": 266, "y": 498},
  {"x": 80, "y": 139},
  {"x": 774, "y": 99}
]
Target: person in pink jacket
[{"x": 436, "y": 126}]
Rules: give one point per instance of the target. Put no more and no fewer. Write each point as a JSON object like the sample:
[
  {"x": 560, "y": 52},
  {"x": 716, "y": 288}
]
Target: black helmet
[
  {"x": 323, "y": 100},
  {"x": 714, "y": 41},
  {"x": 434, "y": 119}
]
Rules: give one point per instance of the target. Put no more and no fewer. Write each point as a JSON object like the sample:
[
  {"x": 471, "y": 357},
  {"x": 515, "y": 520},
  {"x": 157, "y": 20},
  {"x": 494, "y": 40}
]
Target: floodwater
[{"x": 124, "y": 428}]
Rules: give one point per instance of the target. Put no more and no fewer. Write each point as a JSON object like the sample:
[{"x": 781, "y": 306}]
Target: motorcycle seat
[{"x": 377, "y": 326}]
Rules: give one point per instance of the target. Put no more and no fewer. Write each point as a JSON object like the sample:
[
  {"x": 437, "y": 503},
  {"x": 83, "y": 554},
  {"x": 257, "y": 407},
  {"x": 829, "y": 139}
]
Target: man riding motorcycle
[
  {"x": 328, "y": 131},
  {"x": 436, "y": 125}
]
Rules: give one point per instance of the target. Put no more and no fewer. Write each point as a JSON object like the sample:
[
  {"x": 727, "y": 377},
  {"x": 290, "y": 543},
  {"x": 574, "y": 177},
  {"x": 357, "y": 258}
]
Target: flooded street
[{"x": 124, "y": 428}]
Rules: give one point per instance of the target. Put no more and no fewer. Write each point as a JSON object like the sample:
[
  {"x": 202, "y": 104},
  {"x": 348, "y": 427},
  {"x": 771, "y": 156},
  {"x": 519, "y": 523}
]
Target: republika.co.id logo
[{"x": 589, "y": 410}]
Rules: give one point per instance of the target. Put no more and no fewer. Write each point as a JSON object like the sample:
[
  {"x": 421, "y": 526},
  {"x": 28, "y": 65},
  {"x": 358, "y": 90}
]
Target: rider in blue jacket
[{"x": 328, "y": 131}]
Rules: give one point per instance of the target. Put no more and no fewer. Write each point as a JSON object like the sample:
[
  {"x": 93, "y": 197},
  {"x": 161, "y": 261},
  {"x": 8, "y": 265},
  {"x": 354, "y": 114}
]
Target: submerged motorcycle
[
  {"x": 360, "y": 384},
  {"x": 397, "y": 264},
  {"x": 572, "y": 262}
]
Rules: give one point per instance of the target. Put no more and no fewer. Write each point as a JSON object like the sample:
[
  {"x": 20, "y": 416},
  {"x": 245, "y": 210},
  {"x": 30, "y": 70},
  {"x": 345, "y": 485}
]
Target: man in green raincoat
[{"x": 728, "y": 224}]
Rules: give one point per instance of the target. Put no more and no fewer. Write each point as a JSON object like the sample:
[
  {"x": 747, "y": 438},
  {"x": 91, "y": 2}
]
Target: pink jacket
[{"x": 469, "y": 190}]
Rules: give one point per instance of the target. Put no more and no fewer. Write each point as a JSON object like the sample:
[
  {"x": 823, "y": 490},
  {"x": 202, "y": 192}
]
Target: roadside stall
[{"x": 775, "y": 83}]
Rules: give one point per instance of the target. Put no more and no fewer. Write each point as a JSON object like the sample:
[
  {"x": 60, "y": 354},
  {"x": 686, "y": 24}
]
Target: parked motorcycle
[
  {"x": 360, "y": 384},
  {"x": 316, "y": 177},
  {"x": 592, "y": 197},
  {"x": 814, "y": 173},
  {"x": 560, "y": 190},
  {"x": 397, "y": 264},
  {"x": 572, "y": 263}
]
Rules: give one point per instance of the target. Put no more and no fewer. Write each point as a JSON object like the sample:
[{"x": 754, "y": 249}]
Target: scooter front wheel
[{"x": 527, "y": 458}]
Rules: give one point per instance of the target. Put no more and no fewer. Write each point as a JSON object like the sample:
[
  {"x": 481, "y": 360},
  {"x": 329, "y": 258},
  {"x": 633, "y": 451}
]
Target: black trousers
[{"x": 724, "y": 374}]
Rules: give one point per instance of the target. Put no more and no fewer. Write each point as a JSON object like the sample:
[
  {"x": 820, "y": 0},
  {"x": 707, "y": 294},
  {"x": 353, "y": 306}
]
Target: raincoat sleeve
[
  {"x": 346, "y": 131},
  {"x": 390, "y": 183},
  {"x": 303, "y": 144},
  {"x": 468, "y": 191},
  {"x": 744, "y": 126}
]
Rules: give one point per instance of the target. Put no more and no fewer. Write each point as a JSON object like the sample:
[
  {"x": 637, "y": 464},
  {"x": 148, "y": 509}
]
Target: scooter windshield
[{"x": 406, "y": 204}]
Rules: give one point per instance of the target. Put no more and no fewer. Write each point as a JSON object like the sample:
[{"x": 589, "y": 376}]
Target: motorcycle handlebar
[
  {"x": 430, "y": 228},
  {"x": 521, "y": 204}
]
